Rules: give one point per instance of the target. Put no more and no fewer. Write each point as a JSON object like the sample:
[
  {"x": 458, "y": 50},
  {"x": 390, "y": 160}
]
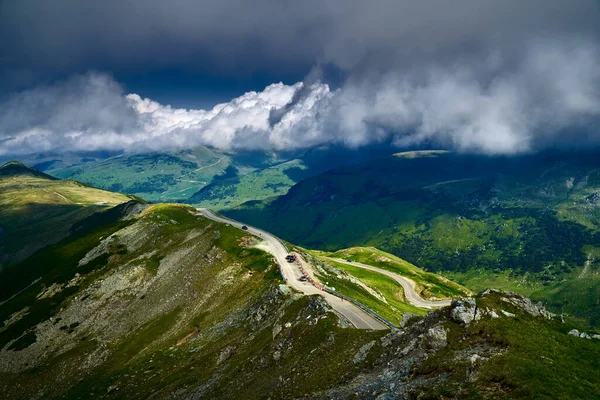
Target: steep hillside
[
  {"x": 157, "y": 301},
  {"x": 428, "y": 285},
  {"x": 345, "y": 272},
  {"x": 533, "y": 218},
  {"x": 37, "y": 209}
]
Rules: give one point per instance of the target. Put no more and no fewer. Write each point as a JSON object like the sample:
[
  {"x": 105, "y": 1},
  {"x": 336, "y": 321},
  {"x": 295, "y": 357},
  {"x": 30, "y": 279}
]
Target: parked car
[{"x": 245, "y": 227}]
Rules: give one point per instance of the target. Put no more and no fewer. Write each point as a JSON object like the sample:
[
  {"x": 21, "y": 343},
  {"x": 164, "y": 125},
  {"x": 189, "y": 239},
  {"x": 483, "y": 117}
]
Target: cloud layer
[
  {"x": 496, "y": 77},
  {"x": 240, "y": 37},
  {"x": 548, "y": 97}
]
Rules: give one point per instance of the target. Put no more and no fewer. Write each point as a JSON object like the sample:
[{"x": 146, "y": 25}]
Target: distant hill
[
  {"x": 527, "y": 223},
  {"x": 155, "y": 177},
  {"x": 15, "y": 169},
  {"x": 275, "y": 180},
  {"x": 37, "y": 209},
  {"x": 202, "y": 175}
]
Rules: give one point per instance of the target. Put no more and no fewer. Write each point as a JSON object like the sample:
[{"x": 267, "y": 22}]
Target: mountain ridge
[{"x": 16, "y": 168}]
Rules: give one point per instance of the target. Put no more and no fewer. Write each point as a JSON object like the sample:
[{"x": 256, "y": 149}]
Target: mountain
[
  {"x": 204, "y": 176},
  {"x": 140, "y": 300},
  {"x": 277, "y": 179},
  {"x": 154, "y": 176},
  {"x": 527, "y": 223},
  {"x": 54, "y": 160},
  {"x": 16, "y": 169},
  {"x": 37, "y": 209}
]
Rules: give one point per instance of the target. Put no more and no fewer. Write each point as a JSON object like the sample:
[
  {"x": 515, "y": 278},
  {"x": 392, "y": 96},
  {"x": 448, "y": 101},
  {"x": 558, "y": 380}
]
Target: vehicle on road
[
  {"x": 244, "y": 227},
  {"x": 290, "y": 258},
  {"x": 348, "y": 260},
  {"x": 303, "y": 278}
]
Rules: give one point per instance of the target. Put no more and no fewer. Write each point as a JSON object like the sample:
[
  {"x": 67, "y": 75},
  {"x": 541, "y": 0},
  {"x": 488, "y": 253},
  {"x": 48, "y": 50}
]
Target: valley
[
  {"x": 136, "y": 300},
  {"x": 526, "y": 224}
]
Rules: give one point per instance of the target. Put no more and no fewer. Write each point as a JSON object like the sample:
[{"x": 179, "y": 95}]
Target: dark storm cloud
[
  {"x": 495, "y": 77},
  {"x": 241, "y": 36}
]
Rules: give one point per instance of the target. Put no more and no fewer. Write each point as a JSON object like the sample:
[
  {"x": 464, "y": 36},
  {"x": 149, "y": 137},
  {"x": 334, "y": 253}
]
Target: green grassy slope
[
  {"x": 534, "y": 216},
  {"x": 277, "y": 179},
  {"x": 153, "y": 176},
  {"x": 429, "y": 285},
  {"x": 179, "y": 175},
  {"x": 37, "y": 209},
  {"x": 379, "y": 292},
  {"x": 157, "y": 301},
  {"x": 202, "y": 175},
  {"x": 258, "y": 185}
]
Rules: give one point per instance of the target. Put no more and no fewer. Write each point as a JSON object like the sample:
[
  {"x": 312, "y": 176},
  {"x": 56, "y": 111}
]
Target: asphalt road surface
[
  {"x": 291, "y": 273},
  {"x": 407, "y": 284}
]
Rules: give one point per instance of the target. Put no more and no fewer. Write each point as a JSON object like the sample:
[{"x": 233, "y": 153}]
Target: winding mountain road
[
  {"x": 407, "y": 284},
  {"x": 359, "y": 318}
]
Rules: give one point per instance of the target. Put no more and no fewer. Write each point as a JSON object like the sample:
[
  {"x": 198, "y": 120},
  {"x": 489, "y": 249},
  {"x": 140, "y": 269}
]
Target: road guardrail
[{"x": 361, "y": 306}]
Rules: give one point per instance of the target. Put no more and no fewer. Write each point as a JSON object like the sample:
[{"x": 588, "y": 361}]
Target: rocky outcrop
[
  {"x": 594, "y": 198},
  {"x": 463, "y": 311},
  {"x": 583, "y": 335},
  {"x": 435, "y": 338},
  {"x": 399, "y": 371},
  {"x": 525, "y": 304},
  {"x": 362, "y": 352},
  {"x": 225, "y": 354},
  {"x": 132, "y": 209}
]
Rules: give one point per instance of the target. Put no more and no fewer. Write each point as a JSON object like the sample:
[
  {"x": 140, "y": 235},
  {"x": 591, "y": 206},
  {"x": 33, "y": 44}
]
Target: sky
[{"x": 478, "y": 76}]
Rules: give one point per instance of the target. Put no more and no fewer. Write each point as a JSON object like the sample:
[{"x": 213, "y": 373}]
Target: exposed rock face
[
  {"x": 594, "y": 198},
  {"x": 276, "y": 329},
  {"x": 362, "y": 353},
  {"x": 277, "y": 355},
  {"x": 407, "y": 318},
  {"x": 463, "y": 311},
  {"x": 507, "y": 314},
  {"x": 258, "y": 315},
  {"x": 583, "y": 335},
  {"x": 525, "y": 303},
  {"x": 397, "y": 372},
  {"x": 435, "y": 338},
  {"x": 225, "y": 354},
  {"x": 132, "y": 209}
]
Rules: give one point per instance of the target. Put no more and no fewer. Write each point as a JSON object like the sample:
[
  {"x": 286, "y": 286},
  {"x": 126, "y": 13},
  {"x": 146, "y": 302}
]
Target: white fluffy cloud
[{"x": 551, "y": 97}]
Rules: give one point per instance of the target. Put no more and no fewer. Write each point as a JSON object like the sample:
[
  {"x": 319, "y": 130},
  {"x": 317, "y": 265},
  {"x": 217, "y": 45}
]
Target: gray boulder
[
  {"x": 574, "y": 332},
  {"x": 435, "y": 338},
  {"x": 463, "y": 311}
]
